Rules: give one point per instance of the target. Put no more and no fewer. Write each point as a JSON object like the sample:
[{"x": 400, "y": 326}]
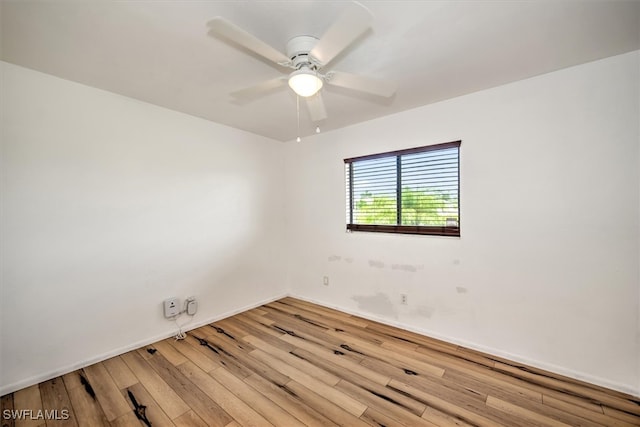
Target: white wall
[
  {"x": 110, "y": 205},
  {"x": 547, "y": 268}
]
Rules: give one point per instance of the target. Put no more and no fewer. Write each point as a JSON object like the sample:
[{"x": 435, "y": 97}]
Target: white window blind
[{"x": 414, "y": 191}]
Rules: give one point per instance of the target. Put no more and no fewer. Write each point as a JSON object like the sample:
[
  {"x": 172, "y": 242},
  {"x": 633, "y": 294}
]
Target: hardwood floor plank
[
  {"x": 339, "y": 398},
  {"x": 170, "y": 353},
  {"x": 550, "y": 412},
  {"x": 88, "y": 411},
  {"x": 217, "y": 354},
  {"x": 28, "y": 398},
  {"x": 378, "y": 338},
  {"x": 475, "y": 356},
  {"x": 370, "y": 388},
  {"x": 153, "y": 412},
  {"x": 294, "y": 361},
  {"x": 340, "y": 326},
  {"x": 55, "y": 398},
  {"x": 280, "y": 309},
  {"x": 193, "y": 354},
  {"x": 268, "y": 333},
  {"x": 392, "y": 408},
  {"x": 232, "y": 405},
  {"x": 333, "y": 411},
  {"x": 274, "y": 413},
  {"x": 513, "y": 385},
  {"x": 437, "y": 354},
  {"x": 294, "y": 327},
  {"x": 621, "y": 415},
  {"x": 628, "y": 405},
  {"x": 120, "y": 372},
  {"x": 279, "y": 315},
  {"x": 337, "y": 356},
  {"x": 107, "y": 392},
  {"x": 555, "y": 409},
  {"x": 291, "y": 362},
  {"x": 447, "y": 359},
  {"x": 580, "y": 411},
  {"x": 190, "y": 419},
  {"x": 581, "y": 402},
  {"x": 377, "y": 418},
  {"x": 313, "y": 335},
  {"x": 327, "y": 312},
  {"x": 146, "y": 352},
  {"x": 443, "y": 386},
  {"x": 257, "y": 311},
  {"x": 477, "y": 374},
  {"x": 126, "y": 420},
  {"x": 475, "y": 414},
  {"x": 73, "y": 379},
  {"x": 531, "y": 370},
  {"x": 487, "y": 387},
  {"x": 229, "y": 329},
  {"x": 204, "y": 330},
  {"x": 206, "y": 409},
  {"x": 288, "y": 401},
  {"x": 529, "y": 416},
  {"x": 443, "y": 420},
  {"x": 260, "y": 319},
  {"x": 7, "y": 404},
  {"x": 411, "y": 337},
  {"x": 234, "y": 340},
  {"x": 384, "y": 354},
  {"x": 241, "y": 353},
  {"x": 161, "y": 392}
]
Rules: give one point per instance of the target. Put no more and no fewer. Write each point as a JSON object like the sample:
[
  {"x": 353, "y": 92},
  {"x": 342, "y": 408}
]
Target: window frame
[{"x": 449, "y": 231}]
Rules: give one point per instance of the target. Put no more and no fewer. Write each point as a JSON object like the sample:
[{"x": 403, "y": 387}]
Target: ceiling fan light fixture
[{"x": 305, "y": 82}]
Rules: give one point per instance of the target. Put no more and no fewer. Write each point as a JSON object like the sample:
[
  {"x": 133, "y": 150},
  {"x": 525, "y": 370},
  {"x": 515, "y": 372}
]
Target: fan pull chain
[{"x": 298, "y": 114}]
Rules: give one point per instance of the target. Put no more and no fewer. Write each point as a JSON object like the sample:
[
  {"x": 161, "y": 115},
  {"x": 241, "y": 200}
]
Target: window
[{"x": 413, "y": 191}]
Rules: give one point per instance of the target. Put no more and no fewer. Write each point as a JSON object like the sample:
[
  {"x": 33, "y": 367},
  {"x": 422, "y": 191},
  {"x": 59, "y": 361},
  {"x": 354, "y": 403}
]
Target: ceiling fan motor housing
[
  {"x": 307, "y": 56},
  {"x": 298, "y": 49}
]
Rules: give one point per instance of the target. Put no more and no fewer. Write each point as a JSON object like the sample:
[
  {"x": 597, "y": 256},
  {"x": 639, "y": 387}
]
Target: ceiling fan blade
[
  {"x": 255, "y": 91},
  {"x": 315, "y": 104},
  {"x": 370, "y": 85},
  {"x": 223, "y": 28},
  {"x": 350, "y": 25}
]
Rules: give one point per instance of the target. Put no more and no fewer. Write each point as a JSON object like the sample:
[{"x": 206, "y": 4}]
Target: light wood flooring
[{"x": 292, "y": 363}]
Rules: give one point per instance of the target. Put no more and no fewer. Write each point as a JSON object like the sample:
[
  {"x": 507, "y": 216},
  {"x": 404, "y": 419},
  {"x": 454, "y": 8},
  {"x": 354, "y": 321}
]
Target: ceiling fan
[{"x": 308, "y": 56}]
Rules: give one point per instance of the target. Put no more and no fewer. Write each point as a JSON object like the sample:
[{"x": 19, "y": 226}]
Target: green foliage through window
[{"x": 410, "y": 191}]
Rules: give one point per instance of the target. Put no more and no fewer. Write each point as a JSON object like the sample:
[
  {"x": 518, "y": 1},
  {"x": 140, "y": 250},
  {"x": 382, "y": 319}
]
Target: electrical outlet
[
  {"x": 171, "y": 307},
  {"x": 325, "y": 280},
  {"x": 403, "y": 299}
]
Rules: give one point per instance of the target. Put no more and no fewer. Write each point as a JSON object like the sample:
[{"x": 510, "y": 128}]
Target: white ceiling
[{"x": 159, "y": 51}]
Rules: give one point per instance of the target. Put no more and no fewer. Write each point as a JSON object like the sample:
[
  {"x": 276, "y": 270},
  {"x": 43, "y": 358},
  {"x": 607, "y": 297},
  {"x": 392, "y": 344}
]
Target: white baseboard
[
  {"x": 624, "y": 388},
  {"x": 36, "y": 379},
  {"x": 10, "y": 388}
]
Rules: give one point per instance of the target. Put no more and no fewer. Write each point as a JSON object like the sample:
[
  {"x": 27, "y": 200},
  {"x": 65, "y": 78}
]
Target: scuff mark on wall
[
  {"x": 376, "y": 264},
  {"x": 405, "y": 267},
  {"x": 348, "y": 260},
  {"x": 378, "y": 304},
  {"x": 461, "y": 290},
  {"x": 334, "y": 258},
  {"x": 424, "y": 310}
]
